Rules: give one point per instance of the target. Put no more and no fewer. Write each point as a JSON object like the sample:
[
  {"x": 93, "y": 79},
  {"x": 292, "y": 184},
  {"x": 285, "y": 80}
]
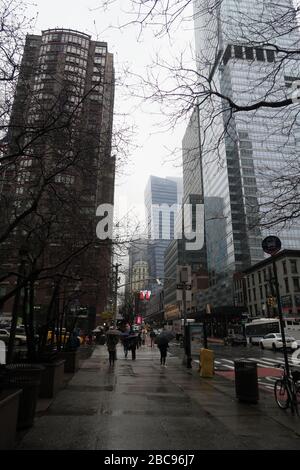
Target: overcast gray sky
[{"x": 150, "y": 155}]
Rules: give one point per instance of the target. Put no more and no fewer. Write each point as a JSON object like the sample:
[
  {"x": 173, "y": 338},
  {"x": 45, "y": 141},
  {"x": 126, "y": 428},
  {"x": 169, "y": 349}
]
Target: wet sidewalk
[{"x": 142, "y": 405}]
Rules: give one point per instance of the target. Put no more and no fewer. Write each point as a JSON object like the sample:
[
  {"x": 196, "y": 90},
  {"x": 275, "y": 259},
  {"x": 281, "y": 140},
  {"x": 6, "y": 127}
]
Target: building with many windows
[
  {"x": 59, "y": 139},
  {"x": 236, "y": 53},
  {"x": 161, "y": 201},
  {"x": 260, "y": 285}
]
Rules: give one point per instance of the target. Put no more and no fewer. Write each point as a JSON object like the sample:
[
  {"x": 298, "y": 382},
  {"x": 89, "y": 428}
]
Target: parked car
[
  {"x": 19, "y": 338},
  {"x": 236, "y": 340},
  {"x": 274, "y": 341}
]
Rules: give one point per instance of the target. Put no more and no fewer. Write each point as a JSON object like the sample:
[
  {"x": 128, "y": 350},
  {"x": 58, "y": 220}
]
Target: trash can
[
  {"x": 28, "y": 378},
  {"x": 246, "y": 383}
]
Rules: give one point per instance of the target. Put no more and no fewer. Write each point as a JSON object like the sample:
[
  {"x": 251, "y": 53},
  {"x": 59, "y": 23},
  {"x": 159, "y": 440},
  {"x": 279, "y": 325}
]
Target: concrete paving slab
[{"x": 140, "y": 405}]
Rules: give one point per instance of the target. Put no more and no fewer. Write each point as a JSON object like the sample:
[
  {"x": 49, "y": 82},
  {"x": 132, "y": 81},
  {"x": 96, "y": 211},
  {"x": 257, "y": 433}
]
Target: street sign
[
  {"x": 183, "y": 274},
  {"x": 271, "y": 245},
  {"x": 181, "y": 286}
]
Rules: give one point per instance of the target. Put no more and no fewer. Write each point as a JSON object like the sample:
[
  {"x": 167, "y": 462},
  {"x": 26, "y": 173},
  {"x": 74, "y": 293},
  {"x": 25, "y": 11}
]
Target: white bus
[{"x": 260, "y": 327}]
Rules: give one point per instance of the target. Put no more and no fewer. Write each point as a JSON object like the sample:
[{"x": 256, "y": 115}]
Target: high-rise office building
[
  {"x": 161, "y": 199},
  {"x": 191, "y": 162},
  {"x": 237, "y": 53},
  {"x": 60, "y": 136}
]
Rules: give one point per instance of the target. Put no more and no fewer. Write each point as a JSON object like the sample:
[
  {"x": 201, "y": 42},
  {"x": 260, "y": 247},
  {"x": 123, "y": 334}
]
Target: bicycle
[{"x": 287, "y": 390}]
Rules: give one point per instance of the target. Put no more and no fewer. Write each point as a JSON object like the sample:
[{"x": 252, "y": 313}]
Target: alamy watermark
[{"x": 165, "y": 223}]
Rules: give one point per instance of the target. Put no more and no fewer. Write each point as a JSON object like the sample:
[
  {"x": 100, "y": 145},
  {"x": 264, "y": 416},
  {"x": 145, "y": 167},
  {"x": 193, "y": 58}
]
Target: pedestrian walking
[
  {"x": 111, "y": 343},
  {"x": 144, "y": 336},
  {"x": 163, "y": 353},
  {"x": 152, "y": 337},
  {"x": 126, "y": 345},
  {"x": 133, "y": 346}
]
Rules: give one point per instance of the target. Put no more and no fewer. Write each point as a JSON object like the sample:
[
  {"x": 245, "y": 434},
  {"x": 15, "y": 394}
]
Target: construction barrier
[{"x": 206, "y": 363}]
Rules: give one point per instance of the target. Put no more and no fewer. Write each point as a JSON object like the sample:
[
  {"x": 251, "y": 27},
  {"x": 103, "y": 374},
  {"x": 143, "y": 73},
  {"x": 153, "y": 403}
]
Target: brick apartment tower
[{"x": 59, "y": 146}]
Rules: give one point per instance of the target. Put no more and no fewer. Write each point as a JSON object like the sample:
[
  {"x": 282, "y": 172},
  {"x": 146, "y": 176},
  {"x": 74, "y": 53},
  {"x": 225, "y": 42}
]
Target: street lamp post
[{"x": 187, "y": 359}]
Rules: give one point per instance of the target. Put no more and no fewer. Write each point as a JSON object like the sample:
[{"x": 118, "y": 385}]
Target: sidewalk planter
[
  {"x": 9, "y": 407},
  {"x": 28, "y": 378},
  {"x": 71, "y": 360},
  {"x": 52, "y": 378}
]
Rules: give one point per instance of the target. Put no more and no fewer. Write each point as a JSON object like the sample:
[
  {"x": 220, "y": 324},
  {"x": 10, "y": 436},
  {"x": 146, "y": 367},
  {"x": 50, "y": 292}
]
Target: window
[
  {"x": 266, "y": 290},
  {"x": 270, "y": 55},
  {"x": 290, "y": 80},
  {"x": 238, "y": 52},
  {"x": 296, "y": 284},
  {"x": 287, "y": 288},
  {"x": 259, "y": 277},
  {"x": 249, "y": 53},
  {"x": 100, "y": 50},
  {"x": 27, "y": 163},
  {"x": 261, "y": 292},
  {"x": 284, "y": 267},
  {"x": 270, "y": 273},
  {"x": 293, "y": 264},
  {"x": 254, "y": 294},
  {"x": 24, "y": 177},
  {"x": 67, "y": 179},
  {"x": 99, "y": 60},
  {"x": 259, "y": 55}
]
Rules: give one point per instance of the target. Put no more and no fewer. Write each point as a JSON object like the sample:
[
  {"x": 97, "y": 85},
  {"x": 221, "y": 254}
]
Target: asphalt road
[{"x": 267, "y": 361}]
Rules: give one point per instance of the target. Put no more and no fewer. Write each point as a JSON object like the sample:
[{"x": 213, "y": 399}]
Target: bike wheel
[{"x": 281, "y": 394}]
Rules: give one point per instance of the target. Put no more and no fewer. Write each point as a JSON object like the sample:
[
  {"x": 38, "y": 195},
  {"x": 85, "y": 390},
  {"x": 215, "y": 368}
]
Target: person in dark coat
[
  {"x": 126, "y": 345},
  {"x": 163, "y": 353},
  {"x": 152, "y": 337},
  {"x": 111, "y": 343},
  {"x": 133, "y": 345}
]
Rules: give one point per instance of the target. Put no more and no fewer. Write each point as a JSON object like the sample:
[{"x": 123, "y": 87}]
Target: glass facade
[
  {"x": 239, "y": 151},
  {"x": 161, "y": 196}
]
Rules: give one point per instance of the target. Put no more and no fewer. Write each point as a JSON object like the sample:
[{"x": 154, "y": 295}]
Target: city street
[
  {"x": 142, "y": 405},
  {"x": 267, "y": 362}
]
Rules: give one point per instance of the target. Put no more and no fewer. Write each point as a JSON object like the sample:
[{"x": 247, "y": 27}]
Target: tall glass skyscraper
[
  {"x": 160, "y": 195},
  {"x": 237, "y": 45}
]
